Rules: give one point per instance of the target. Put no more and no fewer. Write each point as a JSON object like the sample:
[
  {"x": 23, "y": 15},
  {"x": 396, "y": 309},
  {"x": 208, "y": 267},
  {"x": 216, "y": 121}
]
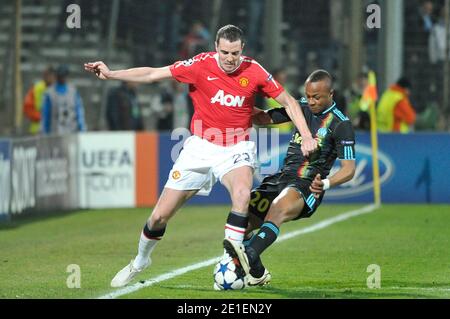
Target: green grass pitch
[{"x": 410, "y": 244}]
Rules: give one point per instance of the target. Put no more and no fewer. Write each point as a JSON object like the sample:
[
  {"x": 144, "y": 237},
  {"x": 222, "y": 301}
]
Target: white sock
[
  {"x": 234, "y": 233},
  {"x": 145, "y": 249},
  {"x": 235, "y": 226}
]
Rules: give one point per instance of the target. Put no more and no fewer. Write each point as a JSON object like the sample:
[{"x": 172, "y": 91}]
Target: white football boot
[
  {"x": 237, "y": 250},
  {"x": 123, "y": 277},
  {"x": 261, "y": 281}
]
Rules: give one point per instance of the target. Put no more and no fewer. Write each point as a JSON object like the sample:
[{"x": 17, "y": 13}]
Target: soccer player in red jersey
[{"x": 222, "y": 86}]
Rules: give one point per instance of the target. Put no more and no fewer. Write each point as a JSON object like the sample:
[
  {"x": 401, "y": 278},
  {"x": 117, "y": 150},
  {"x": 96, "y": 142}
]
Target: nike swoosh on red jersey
[{"x": 212, "y": 79}]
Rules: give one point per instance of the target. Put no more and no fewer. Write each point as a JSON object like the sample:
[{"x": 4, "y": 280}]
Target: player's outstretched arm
[
  {"x": 140, "y": 75},
  {"x": 309, "y": 145},
  {"x": 343, "y": 175}
]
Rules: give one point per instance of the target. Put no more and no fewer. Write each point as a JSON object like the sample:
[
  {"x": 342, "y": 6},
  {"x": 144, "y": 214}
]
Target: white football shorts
[{"x": 201, "y": 164}]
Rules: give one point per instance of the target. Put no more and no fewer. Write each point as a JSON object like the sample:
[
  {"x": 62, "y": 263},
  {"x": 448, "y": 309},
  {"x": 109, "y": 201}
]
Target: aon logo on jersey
[{"x": 228, "y": 100}]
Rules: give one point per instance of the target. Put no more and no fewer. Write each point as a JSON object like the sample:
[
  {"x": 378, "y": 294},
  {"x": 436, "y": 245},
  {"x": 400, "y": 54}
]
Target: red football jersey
[{"x": 223, "y": 102}]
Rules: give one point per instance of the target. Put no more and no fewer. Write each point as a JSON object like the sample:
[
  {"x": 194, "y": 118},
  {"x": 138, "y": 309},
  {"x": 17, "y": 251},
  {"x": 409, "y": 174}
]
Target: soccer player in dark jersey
[
  {"x": 222, "y": 86},
  {"x": 297, "y": 190}
]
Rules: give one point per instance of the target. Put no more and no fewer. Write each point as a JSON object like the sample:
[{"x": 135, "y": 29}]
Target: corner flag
[{"x": 369, "y": 99}]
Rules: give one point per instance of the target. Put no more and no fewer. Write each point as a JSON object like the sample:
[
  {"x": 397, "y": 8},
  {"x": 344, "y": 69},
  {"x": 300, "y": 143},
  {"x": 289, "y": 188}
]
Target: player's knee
[
  {"x": 159, "y": 219},
  {"x": 280, "y": 215}
]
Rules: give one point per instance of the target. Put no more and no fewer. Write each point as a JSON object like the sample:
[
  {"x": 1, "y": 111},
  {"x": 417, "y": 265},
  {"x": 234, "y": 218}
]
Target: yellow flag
[{"x": 370, "y": 94}]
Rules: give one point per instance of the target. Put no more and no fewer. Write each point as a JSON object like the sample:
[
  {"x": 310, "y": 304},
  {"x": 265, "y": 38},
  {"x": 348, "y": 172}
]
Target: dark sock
[
  {"x": 248, "y": 239},
  {"x": 265, "y": 237},
  {"x": 153, "y": 234},
  {"x": 237, "y": 219}
]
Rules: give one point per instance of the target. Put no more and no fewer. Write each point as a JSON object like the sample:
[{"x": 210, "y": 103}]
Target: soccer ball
[{"x": 225, "y": 276}]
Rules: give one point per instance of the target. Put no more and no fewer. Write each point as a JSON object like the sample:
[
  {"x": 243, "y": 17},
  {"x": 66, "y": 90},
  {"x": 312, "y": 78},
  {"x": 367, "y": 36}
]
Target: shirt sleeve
[
  {"x": 279, "y": 115},
  {"x": 344, "y": 136},
  {"x": 186, "y": 71},
  {"x": 268, "y": 85}
]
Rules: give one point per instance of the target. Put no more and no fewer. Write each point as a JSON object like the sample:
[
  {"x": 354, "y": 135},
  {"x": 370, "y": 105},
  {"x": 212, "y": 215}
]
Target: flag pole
[{"x": 370, "y": 96}]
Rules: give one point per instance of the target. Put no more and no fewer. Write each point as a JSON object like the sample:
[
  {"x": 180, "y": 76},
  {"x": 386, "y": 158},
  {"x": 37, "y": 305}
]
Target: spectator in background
[
  {"x": 395, "y": 112},
  {"x": 357, "y": 110},
  {"x": 173, "y": 108},
  {"x": 33, "y": 100},
  {"x": 177, "y": 100},
  {"x": 123, "y": 112},
  {"x": 196, "y": 41},
  {"x": 419, "y": 24},
  {"x": 62, "y": 111},
  {"x": 436, "y": 41},
  {"x": 436, "y": 50},
  {"x": 426, "y": 14},
  {"x": 417, "y": 31},
  {"x": 164, "y": 112}
]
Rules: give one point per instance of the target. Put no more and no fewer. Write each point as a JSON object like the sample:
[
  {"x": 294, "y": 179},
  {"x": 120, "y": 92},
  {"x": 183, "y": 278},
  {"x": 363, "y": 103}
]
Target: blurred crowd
[
  {"x": 424, "y": 52},
  {"x": 54, "y": 105}
]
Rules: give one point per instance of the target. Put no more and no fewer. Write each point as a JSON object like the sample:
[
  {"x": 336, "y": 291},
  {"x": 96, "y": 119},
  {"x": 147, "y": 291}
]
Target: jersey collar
[{"x": 328, "y": 109}]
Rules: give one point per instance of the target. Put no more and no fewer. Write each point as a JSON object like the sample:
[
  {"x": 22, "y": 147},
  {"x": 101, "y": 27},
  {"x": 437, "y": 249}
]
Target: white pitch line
[
  {"x": 328, "y": 222},
  {"x": 181, "y": 271},
  {"x": 163, "y": 277}
]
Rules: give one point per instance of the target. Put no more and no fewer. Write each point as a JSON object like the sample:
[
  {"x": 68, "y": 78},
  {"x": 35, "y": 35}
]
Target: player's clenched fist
[
  {"x": 309, "y": 146},
  {"x": 99, "y": 68},
  {"x": 317, "y": 186}
]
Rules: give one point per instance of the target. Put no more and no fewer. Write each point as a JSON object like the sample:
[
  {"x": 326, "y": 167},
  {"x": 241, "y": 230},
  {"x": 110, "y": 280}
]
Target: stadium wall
[
  {"x": 127, "y": 169},
  {"x": 118, "y": 169},
  {"x": 45, "y": 174}
]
